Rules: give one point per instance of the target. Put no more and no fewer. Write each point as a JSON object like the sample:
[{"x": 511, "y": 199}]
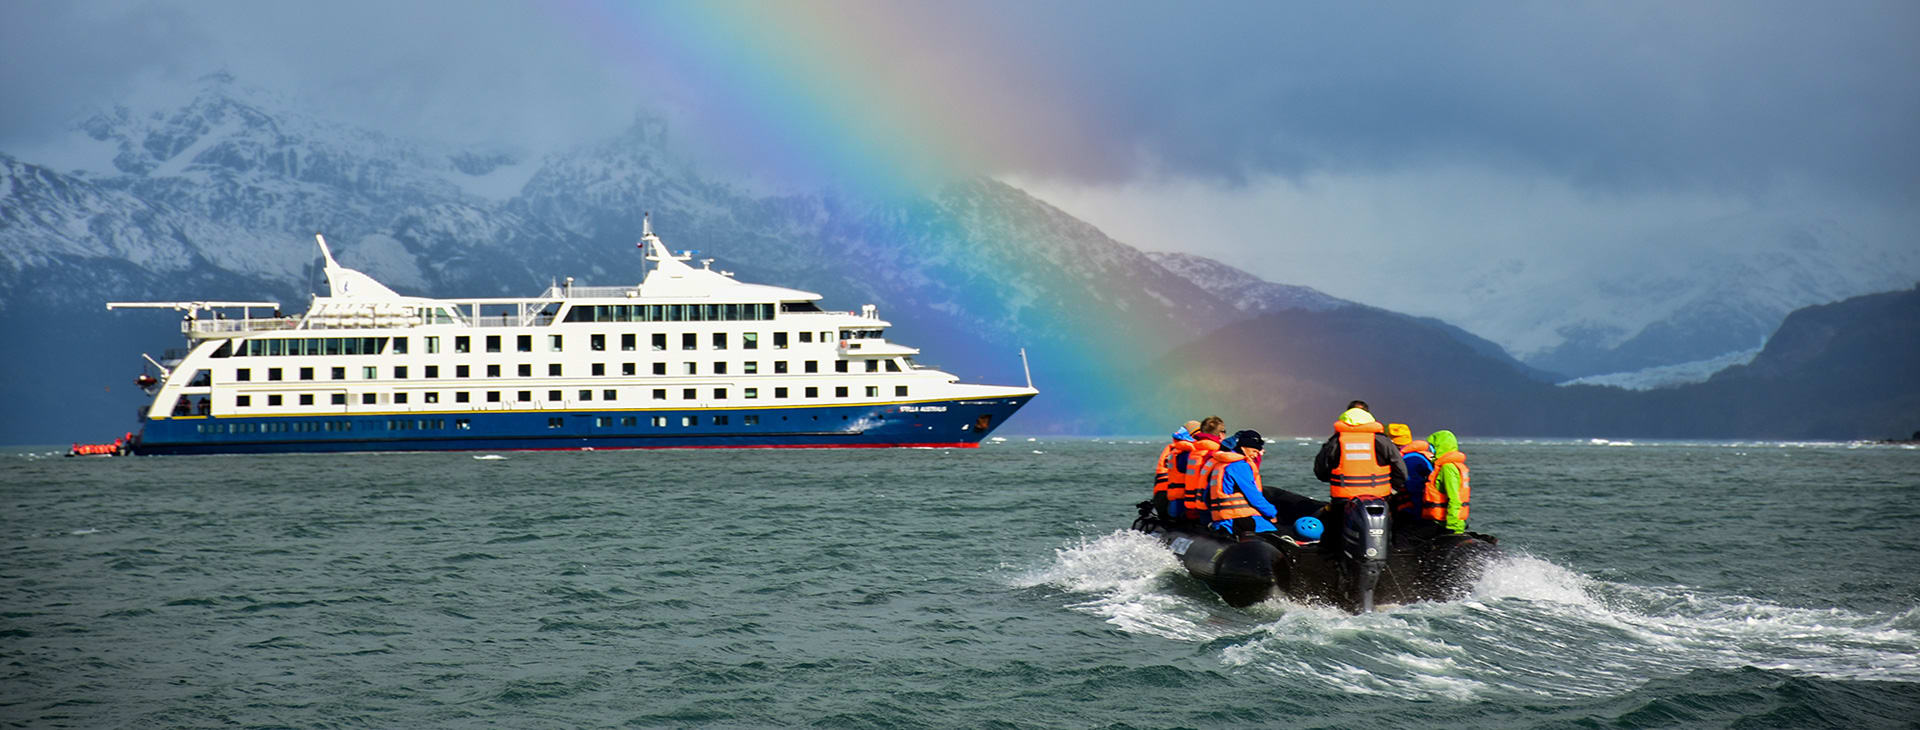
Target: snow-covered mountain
[
  {"x": 1684, "y": 294},
  {"x": 217, "y": 194}
]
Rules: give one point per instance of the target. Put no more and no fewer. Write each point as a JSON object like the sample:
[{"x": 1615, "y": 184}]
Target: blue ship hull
[{"x": 951, "y": 423}]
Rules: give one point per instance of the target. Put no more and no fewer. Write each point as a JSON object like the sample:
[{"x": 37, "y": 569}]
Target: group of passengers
[{"x": 1206, "y": 478}]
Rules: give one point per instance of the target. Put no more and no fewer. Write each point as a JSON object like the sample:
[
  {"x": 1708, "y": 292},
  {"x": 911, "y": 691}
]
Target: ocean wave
[{"x": 1530, "y": 627}]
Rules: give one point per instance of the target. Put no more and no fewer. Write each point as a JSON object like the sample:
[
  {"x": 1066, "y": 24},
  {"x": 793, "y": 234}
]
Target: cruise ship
[{"x": 688, "y": 358}]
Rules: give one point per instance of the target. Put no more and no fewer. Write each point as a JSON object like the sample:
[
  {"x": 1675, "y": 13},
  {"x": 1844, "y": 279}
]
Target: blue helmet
[{"x": 1308, "y": 528}]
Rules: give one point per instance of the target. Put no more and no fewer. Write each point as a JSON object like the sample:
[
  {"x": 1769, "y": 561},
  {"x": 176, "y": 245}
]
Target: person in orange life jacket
[
  {"x": 1193, "y": 507},
  {"x": 1447, "y": 500},
  {"x": 1233, "y": 488},
  {"x": 1169, "y": 481},
  {"x": 1419, "y": 459},
  {"x": 1358, "y": 462}
]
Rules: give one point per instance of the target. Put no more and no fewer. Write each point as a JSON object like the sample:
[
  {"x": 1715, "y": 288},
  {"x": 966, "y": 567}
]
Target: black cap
[{"x": 1248, "y": 439}]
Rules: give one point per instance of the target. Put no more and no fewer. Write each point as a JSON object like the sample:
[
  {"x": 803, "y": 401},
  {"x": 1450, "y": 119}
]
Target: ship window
[
  {"x": 657, "y": 421},
  {"x": 659, "y": 393},
  {"x": 806, "y": 337},
  {"x": 779, "y": 367},
  {"x": 719, "y": 340},
  {"x": 779, "y": 340},
  {"x": 226, "y": 350},
  {"x": 305, "y": 373},
  {"x": 306, "y": 399},
  {"x": 553, "y": 343},
  {"x": 689, "y": 341},
  {"x": 873, "y": 391},
  {"x": 200, "y": 379},
  {"x": 460, "y": 396},
  {"x": 711, "y": 312},
  {"x": 813, "y": 366},
  {"x": 799, "y": 307},
  {"x": 400, "y": 397},
  {"x": 779, "y": 392},
  {"x": 339, "y": 373},
  {"x": 750, "y": 341},
  {"x": 399, "y": 372},
  {"x": 627, "y": 343},
  {"x": 602, "y": 421},
  {"x": 900, "y": 391},
  {"x": 553, "y": 395},
  {"x": 719, "y": 420},
  {"x": 556, "y": 422},
  {"x": 273, "y": 373},
  {"x": 493, "y": 343},
  {"x": 689, "y": 421},
  {"x": 243, "y": 374},
  {"x": 462, "y": 424},
  {"x": 693, "y": 368},
  {"x": 273, "y": 400},
  {"x": 659, "y": 368},
  {"x": 368, "y": 399},
  {"x": 276, "y": 347},
  {"x": 553, "y": 369},
  {"x": 893, "y": 366},
  {"x": 688, "y": 394},
  {"x": 586, "y": 394},
  {"x": 873, "y": 366},
  {"x": 431, "y": 396},
  {"x": 607, "y": 394},
  {"x": 676, "y": 312},
  {"x": 525, "y": 396},
  {"x": 523, "y": 343},
  {"x": 462, "y": 343},
  {"x": 493, "y": 396},
  {"x": 526, "y": 370},
  {"x": 399, "y": 345},
  {"x": 719, "y": 393},
  {"x": 369, "y": 372},
  {"x": 750, "y": 420},
  {"x": 243, "y": 401},
  {"x": 839, "y": 366},
  {"x": 627, "y": 368},
  {"x": 812, "y": 392},
  {"x": 730, "y": 312},
  {"x": 840, "y": 391},
  {"x": 433, "y": 371},
  {"x": 599, "y": 368},
  {"x": 339, "y": 399},
  {"x": 749, "y": 367},
  {"x": 750, "y": 393},
  {"x": 629, "y": 421},
  {"x": 433, "y": 344},
  {"x": 720, "y": 368},
  {"x": 826, "y": 337},
  {"x": 493, "y": 371}
]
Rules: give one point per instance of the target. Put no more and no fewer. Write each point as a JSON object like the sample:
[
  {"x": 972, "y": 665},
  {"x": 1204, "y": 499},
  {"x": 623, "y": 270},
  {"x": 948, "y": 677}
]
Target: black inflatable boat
[{"x": 1364, "y": 566}]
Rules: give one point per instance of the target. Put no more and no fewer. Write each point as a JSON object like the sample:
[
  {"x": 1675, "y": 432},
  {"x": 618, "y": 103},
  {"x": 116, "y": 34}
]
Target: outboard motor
[{"x": 1366, "y": 536}]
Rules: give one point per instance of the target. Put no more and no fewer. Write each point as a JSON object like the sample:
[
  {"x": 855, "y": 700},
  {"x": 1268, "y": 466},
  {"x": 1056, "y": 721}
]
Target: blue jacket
[
  {"x": 1239, "y": 478},
  {"x": 1419, "y": 467}
]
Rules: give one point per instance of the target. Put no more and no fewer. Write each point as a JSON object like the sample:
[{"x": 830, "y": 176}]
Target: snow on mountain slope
[{"x": 1684, "y": 294}]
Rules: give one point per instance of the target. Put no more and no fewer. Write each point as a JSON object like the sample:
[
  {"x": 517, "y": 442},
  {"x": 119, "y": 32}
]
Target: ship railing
[
  {"x": 591, "y": 292},
  {"x": 509, "y": 320},
  {"x": 230, "y": 326}
]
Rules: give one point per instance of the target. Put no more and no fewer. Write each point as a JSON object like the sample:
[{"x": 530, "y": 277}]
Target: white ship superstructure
[{"x": 688, "y": 357}]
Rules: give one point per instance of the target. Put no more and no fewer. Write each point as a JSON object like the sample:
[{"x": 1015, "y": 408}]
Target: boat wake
[{"x": 1529, "y": 628}]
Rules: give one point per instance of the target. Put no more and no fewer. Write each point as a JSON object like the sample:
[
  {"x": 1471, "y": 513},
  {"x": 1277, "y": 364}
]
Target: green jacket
[{"x": 1447, "y": 477}]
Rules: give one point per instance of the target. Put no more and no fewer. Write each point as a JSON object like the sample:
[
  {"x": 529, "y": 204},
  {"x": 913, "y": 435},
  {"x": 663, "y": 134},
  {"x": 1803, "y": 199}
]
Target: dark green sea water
[{"x": 1652, "y": 585}]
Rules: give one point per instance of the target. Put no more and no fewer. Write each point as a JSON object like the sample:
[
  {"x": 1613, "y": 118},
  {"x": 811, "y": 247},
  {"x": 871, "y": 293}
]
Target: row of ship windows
[
  {"x": 304, "y": 346},
  {"x": 184, "y": 406},
  {"x": 459, "y": 424},
  {"x": 525, "y": 370}
]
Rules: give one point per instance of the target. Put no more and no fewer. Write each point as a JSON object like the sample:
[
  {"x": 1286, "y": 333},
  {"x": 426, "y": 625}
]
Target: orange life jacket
[
  {"x": 1225, "y": 506},
  {"x": 1436, "y": 496},
  {"x": 1164, "y": 470},
  {"x": 1199, "y": 466},
  {"x": 1417, "y": 447},
  {"x": 1359, "y": 473}
]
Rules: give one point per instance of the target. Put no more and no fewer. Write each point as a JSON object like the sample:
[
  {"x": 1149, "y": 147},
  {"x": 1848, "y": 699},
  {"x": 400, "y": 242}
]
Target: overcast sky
[{"x": 1257, "y": 132}]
